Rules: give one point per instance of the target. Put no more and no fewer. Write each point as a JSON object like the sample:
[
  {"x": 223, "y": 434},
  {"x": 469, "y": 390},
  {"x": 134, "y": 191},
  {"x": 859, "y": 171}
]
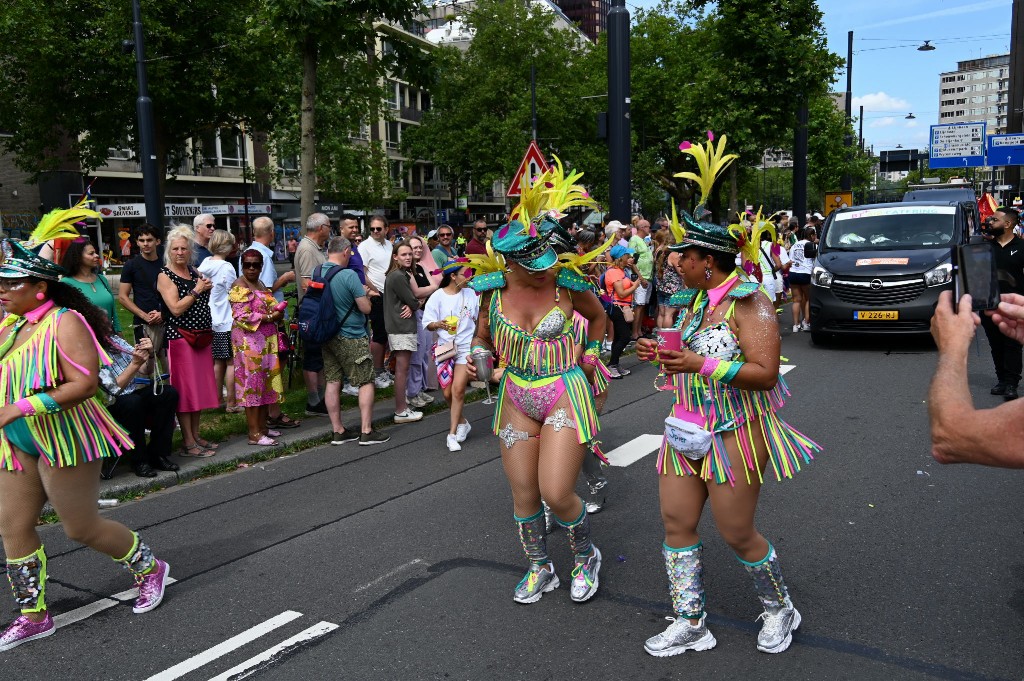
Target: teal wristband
[{"x": 734, "y": 368}]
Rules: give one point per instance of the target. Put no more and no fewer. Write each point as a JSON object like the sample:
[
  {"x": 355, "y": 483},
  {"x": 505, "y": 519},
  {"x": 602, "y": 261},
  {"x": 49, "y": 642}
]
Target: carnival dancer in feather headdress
[
  {"x": 55, "y": 432},
  {"x": 545, "y": 417},
  {"x": 723, "y": 425}
]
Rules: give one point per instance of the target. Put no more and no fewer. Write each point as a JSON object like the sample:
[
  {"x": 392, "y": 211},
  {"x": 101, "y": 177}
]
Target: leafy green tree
[
  {"x": 331, "y": 43},
  {"x": 827, "y": 156},
  {"x": 479, "y": 123},
  {"x": 69, "y": 89}
]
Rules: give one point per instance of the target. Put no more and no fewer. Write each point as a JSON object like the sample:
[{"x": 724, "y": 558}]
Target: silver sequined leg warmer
[
  {"x": 767, "y": 574},
  {"x": 139, "y": 561},
  {"x": 28, "y": 580},
  {"x": 531, "y": 534},
  {"x": 685, "y": 569},
  {"x": 579, "y": 533}
]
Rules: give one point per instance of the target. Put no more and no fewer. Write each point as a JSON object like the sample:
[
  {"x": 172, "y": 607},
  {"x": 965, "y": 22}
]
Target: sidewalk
[{"x": 314, "y": 431}]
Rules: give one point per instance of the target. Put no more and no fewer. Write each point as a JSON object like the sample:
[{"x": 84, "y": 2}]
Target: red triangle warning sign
[{"x": 533, "y": 164}]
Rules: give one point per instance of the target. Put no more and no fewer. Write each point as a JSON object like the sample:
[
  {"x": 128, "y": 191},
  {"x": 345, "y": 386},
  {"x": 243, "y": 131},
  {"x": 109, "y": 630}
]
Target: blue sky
[{"x": 891, "y": 78}]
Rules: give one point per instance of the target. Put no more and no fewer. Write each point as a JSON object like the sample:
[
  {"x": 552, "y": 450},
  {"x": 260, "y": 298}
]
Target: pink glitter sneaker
[
  {"x": 23, "y": 630},
  {"x": 151, "y": 588}
]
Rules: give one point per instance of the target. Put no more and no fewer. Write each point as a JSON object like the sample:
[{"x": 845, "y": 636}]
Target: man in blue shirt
[
  {"x": 348, "y": 227},
  {"x": 348, "y": 353}
]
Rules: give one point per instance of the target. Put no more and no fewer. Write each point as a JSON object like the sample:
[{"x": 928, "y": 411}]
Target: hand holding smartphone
[{"x": 977, "y": 275}]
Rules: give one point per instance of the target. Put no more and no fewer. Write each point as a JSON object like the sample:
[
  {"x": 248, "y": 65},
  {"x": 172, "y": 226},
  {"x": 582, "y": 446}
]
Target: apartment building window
[
  {"x": 962, "y": 100},
  {"x": 425, "y": 101},
  {"x": 397, "y": 176},
  {"x": 947, "y": 102},
  {"x": 393, "y": 95},
  {"x": 289, "y": 165},
  {"x": 946, "y": 114},
  {"x": 947, "y": 90},
  {"x": 960, "y": 112},
  {"x": 394, "y": 134},
  {"x": 223, "y": 148},
  {"x": 948, "y": 79},
  {"x": 362, "y": 133},
  {"x": 124, "y": 151}
]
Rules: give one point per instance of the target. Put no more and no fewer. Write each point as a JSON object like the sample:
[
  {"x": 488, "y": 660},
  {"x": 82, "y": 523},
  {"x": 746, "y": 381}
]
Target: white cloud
[
  {"x": 951, "y": 11},
  {"x": 882, "y": 122},
  {"x": 880, "y": 101},
  {"x": 910, "y": 124}
]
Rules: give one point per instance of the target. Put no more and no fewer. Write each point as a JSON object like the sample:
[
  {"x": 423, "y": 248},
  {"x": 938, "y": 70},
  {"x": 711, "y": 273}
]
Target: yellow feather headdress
[{"x": 711, "y": 161}]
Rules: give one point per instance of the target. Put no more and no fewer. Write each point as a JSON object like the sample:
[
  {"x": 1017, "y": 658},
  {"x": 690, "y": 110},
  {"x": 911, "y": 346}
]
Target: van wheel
[{"x": 821, "y": 339}]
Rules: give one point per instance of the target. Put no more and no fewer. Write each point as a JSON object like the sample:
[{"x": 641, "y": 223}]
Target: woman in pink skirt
[
  {"x": 258, "y": 381},
  {"x": 186, "y": 293}
]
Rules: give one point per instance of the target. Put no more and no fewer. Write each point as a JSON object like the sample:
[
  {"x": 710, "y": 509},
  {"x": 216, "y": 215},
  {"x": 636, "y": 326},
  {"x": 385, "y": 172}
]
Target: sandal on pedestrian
[
  {"x": 283, "y": 421},
  {"x": 264, "y": 441},
  {"x": 196, "y": 451},
  {"x": 273, "y": 433},
  {"x": 234, "y": 409},
  {"x": 206, "y": 444}
]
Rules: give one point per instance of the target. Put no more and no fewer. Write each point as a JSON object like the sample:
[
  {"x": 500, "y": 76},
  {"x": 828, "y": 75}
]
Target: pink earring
[
  {"x": 707, "y": 273},
  {"x": 40, "y": 296}
]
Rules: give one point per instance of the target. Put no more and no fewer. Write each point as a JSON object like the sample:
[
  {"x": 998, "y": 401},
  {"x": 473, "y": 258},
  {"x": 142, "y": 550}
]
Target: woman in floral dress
[{"x": 258, "y": 381}]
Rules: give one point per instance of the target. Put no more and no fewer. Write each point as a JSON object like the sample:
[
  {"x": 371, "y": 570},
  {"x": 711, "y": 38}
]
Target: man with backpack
[{"x": 334, "y": 313}]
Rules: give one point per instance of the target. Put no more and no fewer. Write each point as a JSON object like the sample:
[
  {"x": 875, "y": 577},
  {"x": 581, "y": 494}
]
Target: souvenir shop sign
[{"x": 178, "y": 210}]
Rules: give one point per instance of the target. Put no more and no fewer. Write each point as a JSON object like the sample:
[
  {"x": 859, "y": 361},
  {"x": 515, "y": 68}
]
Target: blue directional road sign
[
  {"x": 1006, "y": 150},
  {"x": 957, "y": 145}
]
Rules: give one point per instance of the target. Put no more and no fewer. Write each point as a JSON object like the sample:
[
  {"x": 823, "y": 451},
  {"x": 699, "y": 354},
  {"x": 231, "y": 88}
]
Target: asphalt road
[{"x": 399, "y": 561}]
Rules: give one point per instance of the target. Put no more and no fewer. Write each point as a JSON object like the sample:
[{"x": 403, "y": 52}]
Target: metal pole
[
  {"x": 860, "y": 119},
  {"x": 619, "y": 170},
  {"x": 245, "y": 186},
  {"x": 533, "y": 98},
  {"x": 144, "y": 111},
  {"x": 1015, "y": 115},
  {"x": 847, "y": 182}
]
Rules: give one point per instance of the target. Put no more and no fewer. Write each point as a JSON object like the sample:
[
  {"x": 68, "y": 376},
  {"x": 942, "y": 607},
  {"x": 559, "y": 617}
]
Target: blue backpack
[{"x": 317, "y": 319}]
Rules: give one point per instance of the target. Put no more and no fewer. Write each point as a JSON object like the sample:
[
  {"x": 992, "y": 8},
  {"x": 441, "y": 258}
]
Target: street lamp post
[
  {"x": 144, "y": 112},
  {"x": 619, "y": 175},
  {"x": 846, "y": 182}
]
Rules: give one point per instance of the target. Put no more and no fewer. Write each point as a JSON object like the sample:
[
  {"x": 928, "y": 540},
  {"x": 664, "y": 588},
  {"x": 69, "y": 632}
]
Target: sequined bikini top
[
  {"x": 716, "y": 341},
  {"x": 548, "y": 350}
]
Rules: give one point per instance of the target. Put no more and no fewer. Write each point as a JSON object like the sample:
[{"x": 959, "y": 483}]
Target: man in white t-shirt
[{"x": 376, "y": 254}]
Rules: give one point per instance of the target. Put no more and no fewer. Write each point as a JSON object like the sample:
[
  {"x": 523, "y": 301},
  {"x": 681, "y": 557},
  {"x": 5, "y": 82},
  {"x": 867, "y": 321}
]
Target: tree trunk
[
  {"x": 734, "y": 205},
  {"x": 307, "y": 119}
]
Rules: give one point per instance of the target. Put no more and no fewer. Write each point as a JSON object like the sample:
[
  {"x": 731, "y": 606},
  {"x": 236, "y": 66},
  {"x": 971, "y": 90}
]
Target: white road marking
[
  {"x": 634, "y": 450},
  {"x": 388, "y": 574},
  {"x": 786, "y": 368},
  {"x": 255, "y": 664},
  {"x": 79, "y": 614},
  {"x": 86, "y": 611},
  {"x": 233, "y": 643}
]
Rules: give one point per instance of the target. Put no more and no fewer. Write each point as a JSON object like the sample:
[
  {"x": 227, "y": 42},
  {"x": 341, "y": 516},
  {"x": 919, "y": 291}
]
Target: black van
[{"x": 880, "y": 267}]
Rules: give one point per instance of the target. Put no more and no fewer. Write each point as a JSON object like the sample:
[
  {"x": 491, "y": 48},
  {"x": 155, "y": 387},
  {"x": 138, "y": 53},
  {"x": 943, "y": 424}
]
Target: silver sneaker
[
  {"x": 778, "y": 627},
  {"x": 426, "y": 398},
  {"x": 382, "y": 380},
  {"x": 350, "y": 390},
  {"x": 680, "y": 637},
  {"x": 416, "y": 402},
  {"x": 584, "y": 577},
  {"x": 538, "y": 580}
]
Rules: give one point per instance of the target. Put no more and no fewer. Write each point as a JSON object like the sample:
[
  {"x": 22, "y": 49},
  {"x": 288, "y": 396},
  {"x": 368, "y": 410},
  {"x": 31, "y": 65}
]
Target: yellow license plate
[{"x": 876, "y": 314}]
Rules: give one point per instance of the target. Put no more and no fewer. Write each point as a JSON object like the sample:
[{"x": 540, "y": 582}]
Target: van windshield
[{"x": 887, "y": 228}]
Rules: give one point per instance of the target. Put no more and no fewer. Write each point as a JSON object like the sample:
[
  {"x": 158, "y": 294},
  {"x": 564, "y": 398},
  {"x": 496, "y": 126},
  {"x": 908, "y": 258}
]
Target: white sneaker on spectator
[
  {"x": 383, "y": 380},
  {"x": 462, "y": 431},
  {"x": 425, "y": 397},
  {"x": 606, "y": 346},
  {"x": 805, "y": 325},
  {"x": 350, "y": 389},
  {"x": 408, "y": 416},
  {"x": 796, "y": 328},
  {"x": 415, "y": 401},
  {"x": 453, "y": 443}
]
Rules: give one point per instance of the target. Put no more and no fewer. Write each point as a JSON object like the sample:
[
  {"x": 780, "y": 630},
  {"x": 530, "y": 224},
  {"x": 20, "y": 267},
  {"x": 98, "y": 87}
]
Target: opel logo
[{"x": 876, "y": 284}]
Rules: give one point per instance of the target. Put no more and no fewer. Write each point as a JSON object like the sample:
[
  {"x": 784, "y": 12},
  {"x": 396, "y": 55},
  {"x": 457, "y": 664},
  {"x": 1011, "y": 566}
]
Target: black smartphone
[{"x": 976, "y": 263}]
